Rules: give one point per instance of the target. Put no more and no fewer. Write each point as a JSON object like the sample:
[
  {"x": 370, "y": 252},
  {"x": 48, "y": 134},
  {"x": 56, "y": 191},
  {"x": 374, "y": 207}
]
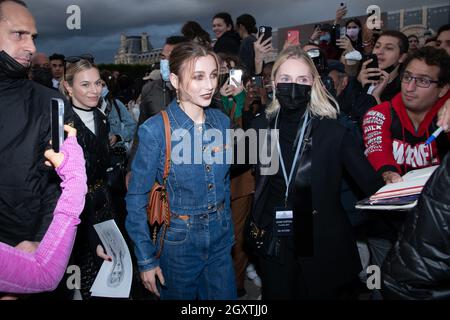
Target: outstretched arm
[{"x": 22, "y": 272}]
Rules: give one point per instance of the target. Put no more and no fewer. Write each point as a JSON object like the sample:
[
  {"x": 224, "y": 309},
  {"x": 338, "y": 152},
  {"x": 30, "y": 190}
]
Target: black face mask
[
  {"x": 293, "y": 96},
  {"x": 11, "y": 68},
  {"x": 390, "y": 68},
  {"x": 42, "y": 76}
]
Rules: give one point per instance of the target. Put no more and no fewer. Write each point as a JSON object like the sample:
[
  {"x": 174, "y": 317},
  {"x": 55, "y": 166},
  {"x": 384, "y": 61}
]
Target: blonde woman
[
  {"x": 303, "y": 236},
  {"x": 82, "y": 86}
]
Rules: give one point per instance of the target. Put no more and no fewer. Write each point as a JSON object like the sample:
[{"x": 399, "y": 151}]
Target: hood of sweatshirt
[{"x": 399, "y": 107}]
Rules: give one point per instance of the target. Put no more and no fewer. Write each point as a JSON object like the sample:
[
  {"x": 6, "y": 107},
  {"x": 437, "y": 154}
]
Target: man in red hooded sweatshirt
[{"x": 395, "y": 132}]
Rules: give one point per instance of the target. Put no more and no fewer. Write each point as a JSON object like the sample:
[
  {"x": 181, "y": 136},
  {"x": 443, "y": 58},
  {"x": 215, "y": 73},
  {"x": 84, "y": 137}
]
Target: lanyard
[{"x": 297, "y": 152}]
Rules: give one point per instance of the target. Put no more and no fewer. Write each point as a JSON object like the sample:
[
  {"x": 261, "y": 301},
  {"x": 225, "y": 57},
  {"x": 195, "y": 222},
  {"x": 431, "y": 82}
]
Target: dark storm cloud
[{"x": 102, "y": 21}]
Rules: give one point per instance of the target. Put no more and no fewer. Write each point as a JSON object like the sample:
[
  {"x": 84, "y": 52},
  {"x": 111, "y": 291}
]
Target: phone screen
[
  {"x": 266, "y": 31},
  {"x": 57, "y": 123},
  {"x": 235, "y": 77}
]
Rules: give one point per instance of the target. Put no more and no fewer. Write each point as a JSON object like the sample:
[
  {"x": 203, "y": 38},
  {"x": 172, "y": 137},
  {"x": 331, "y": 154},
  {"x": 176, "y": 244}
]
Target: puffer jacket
[{"x": 418, "y": 266}]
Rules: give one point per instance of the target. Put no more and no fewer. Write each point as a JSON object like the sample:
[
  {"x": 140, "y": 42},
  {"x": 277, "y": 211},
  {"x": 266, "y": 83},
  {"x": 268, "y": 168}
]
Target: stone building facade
[{"x": 136, "y": 50}]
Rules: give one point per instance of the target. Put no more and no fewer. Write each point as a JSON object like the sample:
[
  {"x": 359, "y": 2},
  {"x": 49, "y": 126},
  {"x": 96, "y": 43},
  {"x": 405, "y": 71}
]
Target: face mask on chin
[
  {"x": 390, "y": 68},
  {"x": 293, "y": 96}
]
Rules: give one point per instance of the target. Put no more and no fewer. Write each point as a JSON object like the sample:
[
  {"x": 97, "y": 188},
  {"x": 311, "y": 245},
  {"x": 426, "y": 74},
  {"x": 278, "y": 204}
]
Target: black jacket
[
  {"x": 418, "y": 266},
  {"x": 156, "y": 96},
  {"x": 228, "y": 43},
  {"x": 333, "y": 150},
  {"x": 29, "y": 190}
]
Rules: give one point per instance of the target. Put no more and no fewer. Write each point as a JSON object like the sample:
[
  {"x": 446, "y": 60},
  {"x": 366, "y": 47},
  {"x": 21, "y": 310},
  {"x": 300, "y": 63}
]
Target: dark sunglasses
[{"x": 74, "y": 59}]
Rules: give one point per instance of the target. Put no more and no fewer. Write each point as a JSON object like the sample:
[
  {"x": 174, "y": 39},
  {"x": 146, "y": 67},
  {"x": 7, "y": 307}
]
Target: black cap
[{"x": 335, "y": 65}]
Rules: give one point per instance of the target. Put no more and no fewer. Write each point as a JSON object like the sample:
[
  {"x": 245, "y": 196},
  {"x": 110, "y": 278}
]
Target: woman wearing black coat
[
  {"x": 82, "y": 86},
  {"x": 315, "y": 256},
  {"x": 228, "y": 41}
]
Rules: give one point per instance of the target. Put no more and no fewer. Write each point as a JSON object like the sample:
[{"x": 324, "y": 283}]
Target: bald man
[
  {"x": 40, "y": 70},
  {"x": 41, "y": 60},
  {"x": 28, "y": 189}
]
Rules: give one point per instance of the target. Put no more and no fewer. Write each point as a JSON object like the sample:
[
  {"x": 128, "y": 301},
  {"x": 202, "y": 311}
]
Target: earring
[{"x": 178, "y": 98}]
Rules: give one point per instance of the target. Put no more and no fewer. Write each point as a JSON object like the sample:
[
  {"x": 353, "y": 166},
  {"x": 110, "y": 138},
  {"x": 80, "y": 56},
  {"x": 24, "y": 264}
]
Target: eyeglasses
[
  {"x": 421, "y": 82},
  {"x": 86, "y": 56}
]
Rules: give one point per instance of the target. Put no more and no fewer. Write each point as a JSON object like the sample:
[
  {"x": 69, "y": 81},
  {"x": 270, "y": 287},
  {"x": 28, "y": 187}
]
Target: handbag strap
[
  {"x": 233, "y": 110},
  {"x": 168, "y": 145}
]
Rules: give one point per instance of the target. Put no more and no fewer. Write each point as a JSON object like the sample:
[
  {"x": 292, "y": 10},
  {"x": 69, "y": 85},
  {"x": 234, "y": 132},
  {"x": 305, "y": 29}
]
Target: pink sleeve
[{"x": 22, "y": 272}]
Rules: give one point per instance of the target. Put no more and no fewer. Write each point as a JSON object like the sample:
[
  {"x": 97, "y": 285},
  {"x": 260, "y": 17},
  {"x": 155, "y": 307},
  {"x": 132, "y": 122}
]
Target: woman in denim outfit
[{"x": 195, "y": 262}]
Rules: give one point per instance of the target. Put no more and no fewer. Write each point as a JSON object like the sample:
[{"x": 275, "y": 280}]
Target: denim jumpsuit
[{"x": 196, "y": 257}]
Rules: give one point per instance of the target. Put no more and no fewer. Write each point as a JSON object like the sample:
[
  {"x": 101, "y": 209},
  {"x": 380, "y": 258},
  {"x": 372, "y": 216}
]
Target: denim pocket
[{"x": 177, "y": 233}]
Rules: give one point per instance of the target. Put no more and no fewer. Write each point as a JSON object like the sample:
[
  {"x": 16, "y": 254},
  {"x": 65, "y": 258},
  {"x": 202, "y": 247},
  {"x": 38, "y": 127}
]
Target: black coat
[
  {"x": 228, "y": 43},
  {"x": 418, "y": 266},
  {"x": 335, "y": 258},
  {"x": 29, "y": 190},
  {"x": 98, "y": 199}
]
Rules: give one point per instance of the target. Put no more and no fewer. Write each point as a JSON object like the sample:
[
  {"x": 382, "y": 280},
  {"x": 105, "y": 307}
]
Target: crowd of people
[{"x": 340, "y": 116}]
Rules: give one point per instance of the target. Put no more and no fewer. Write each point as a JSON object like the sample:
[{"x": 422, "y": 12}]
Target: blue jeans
[{"x": 196, "y": 258}]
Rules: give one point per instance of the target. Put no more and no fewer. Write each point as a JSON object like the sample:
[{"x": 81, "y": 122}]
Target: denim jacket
[
  {"x": 124, "y": 129},
  {"x": 195, "y": 187}
]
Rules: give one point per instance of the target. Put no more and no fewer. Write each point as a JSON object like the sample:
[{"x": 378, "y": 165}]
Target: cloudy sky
[{"x": 102, "y": 21}]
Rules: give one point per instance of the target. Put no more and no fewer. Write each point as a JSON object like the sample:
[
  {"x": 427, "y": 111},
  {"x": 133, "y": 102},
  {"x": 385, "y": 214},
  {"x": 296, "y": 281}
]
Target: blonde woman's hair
[
  {"x": 321, "y": 100},
  {"x": 71, "y": 70}
]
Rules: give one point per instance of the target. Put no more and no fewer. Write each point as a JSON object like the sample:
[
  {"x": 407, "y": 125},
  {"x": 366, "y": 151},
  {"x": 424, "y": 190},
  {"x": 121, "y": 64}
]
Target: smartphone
[
  {"x": 57, "y": 123},
  {"x": 343, "y": 32},
  {"x": 257, "y": 80},
  {"x": 293, "y": 36},
  {"x": 235, "y": 77},
  {"x": 266, "y": 31},
  {"x": 373, "y": 64},
  {"x": 335, "y": 34}
]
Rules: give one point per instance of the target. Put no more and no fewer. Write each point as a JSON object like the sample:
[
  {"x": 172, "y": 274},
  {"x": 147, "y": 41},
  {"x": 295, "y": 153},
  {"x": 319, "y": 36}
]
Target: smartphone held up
[
  {"x": 372, "y": 64},
  {"x": 293, "y": 37},
  {"x": 235, "y": 77},
  {"x": 57, "y": 123},
  {"x": 266, "y": 31}
]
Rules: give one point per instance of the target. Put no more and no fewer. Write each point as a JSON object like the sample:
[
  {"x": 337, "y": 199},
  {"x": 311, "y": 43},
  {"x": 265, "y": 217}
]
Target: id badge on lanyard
[{"x": 284, "y": 218}]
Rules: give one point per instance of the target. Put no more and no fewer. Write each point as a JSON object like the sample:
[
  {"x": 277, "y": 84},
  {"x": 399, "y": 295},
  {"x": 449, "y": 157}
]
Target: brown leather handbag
[{"x": 158, "y": 209}]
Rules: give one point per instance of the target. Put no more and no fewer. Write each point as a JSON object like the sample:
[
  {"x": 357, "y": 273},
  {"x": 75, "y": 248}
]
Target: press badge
[{"x": 284, "y": 222}]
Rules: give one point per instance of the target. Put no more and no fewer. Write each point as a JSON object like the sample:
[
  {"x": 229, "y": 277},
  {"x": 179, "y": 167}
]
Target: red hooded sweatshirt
[{"x": 393, "y": 144}]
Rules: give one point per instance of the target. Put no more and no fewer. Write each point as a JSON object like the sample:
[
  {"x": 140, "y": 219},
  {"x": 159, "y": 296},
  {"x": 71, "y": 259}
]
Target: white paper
[
  {"x": 405, "y": 207},
  {"x": 114, "y": 278},
  {"x": 412, "y": 183}
]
